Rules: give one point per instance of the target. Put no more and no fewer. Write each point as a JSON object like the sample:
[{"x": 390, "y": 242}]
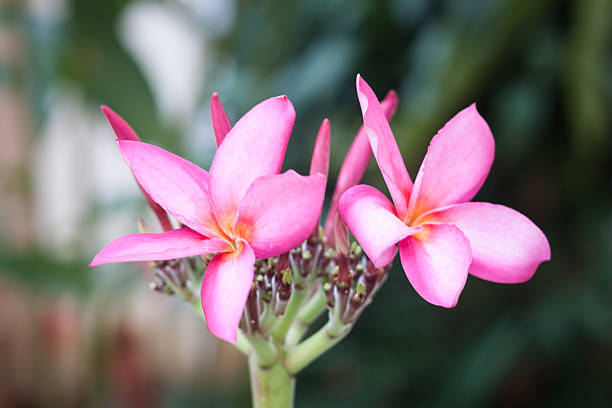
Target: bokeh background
[{"x": 540, "y": 72}]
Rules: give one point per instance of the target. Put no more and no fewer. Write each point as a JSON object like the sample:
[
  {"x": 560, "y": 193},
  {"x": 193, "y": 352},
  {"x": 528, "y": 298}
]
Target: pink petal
[
  {"x": 436, "y": 262},
  {"x": 280, "y": 211},
  {"x": 384, "y": 147},
  {"x": 176, "y": 184},
  {"x": 320, "y": 154},
  {"x": 221, "y": 124},
  {"x": 119, "y": 125},
  {"x": 372, "y": 219},
  {"x": 254, "y": 147},
  {"x": 178, "y": 243},
  {"x": 355, "y": 164},
  {"x": 506, "y": 246},
  {"x": 123, "y": 131},
  {"x": 456, "y": 164},
  {"x": 225, "y": 288}
]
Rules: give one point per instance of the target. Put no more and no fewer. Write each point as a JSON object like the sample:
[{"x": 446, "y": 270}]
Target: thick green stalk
[
  {"x": 264, "y": 350},
  {"x": 310, "y": 311},
  {"x": 271, "y": 387},
  {"x": 317, "y": 344}
]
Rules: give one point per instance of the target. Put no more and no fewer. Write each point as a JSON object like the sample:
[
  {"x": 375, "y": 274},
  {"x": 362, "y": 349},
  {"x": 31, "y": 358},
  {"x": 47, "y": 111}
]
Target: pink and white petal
[
  {"x": 178, "y": 243},
  {"x": 436, "y": 262},
  {"x": 254, "y": 147},
  {"x": 220, "y": 122},
  {"x": 320, "y": 154},
  {"x": 225, "y": 288},
  {"x": 280, "y": 211},
  {"x": 355, "y": 164},
  {"x": 507, "y": 247},
  {"x": 176, "y": 184},
  {"x": 373, "y": 221},
  {"x": 122, "y": 129},
  {"x": 457, "y": 163},
  {"x": 384, "y": 147}
]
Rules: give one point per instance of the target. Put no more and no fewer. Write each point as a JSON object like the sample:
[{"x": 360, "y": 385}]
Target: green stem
[
  {"x": 311, "y": 310},
  {"x": 265, "y": 352},
  {"x": 279, "y": 332},
  {"x": 317, "y": 344},
  {"x": 271, "y": 387},
  {"x": 268, "y": 319}
]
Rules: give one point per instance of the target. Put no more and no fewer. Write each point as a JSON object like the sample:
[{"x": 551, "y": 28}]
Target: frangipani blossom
[
  {"x": 242, "y": 210},
  {"x": 354, "y": 165},
  {"x": 441, "y": 235}
]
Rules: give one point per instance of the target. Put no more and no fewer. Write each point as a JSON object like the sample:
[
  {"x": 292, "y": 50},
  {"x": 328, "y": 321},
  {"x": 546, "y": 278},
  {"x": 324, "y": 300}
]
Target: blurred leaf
[{"x": 44, "y": 272}]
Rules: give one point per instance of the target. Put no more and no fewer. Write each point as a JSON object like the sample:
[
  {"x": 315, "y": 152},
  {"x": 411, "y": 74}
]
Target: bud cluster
[
  {"x": 347, "y": 279},
  {"x": 179, "y": 277},
  {"x": 351, "y": 281}
]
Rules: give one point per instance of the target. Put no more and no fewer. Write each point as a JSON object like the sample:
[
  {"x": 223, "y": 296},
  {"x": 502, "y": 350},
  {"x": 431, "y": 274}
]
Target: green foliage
[
  {"x": 540, "y": 74},
  {"x": 45, "y": 271}
]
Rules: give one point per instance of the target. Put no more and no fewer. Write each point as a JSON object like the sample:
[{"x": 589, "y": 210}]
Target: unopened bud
[
  {"x": 358, "y": 298},
  {"x": 142, "y": 226},
  {"x": 282, "y": 263},
  {"x": 334, "y": 273},
  {"x": 287, "y": 276},
  {"x": 260, "y": 280},
  {"x": 207, "y": 257},
  {"x": 328, "y": 290}
]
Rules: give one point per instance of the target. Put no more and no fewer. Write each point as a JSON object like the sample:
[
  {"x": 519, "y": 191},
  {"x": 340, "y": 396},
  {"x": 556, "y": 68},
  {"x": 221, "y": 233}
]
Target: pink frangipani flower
[
  {"x": 354, "y": 165},
  {"x": 242, "y": 210},
  {"x": 442, "y": 236}
]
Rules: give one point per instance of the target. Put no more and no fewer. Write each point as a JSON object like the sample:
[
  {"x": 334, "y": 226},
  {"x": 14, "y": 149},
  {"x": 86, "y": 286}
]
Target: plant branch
[
  {"x": 317, "y": 344},
  {"x": 310, "y": 311},
  {"x": 264, "y": 350},
  {"x": 279, "y": 332}
]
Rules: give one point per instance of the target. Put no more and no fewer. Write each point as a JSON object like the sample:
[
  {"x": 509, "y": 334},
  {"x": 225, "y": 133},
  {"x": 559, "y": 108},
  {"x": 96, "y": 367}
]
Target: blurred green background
[{"x": 540, "y": 72}]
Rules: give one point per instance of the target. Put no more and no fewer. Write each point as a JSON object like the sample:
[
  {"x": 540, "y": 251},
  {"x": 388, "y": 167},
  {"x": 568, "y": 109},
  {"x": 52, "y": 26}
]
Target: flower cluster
[{"x": 249, "y": 234}]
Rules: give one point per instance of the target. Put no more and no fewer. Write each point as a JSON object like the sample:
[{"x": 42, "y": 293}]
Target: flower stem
[
  {"x": 271, "y": 387},
  {"x": 264, "y": 350},
  {"x": 268, "y": 319},
  {"x": 310, "y": 311},
  {"x": 279, "y": 332},
  {"x": 317, "y": 344}
]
